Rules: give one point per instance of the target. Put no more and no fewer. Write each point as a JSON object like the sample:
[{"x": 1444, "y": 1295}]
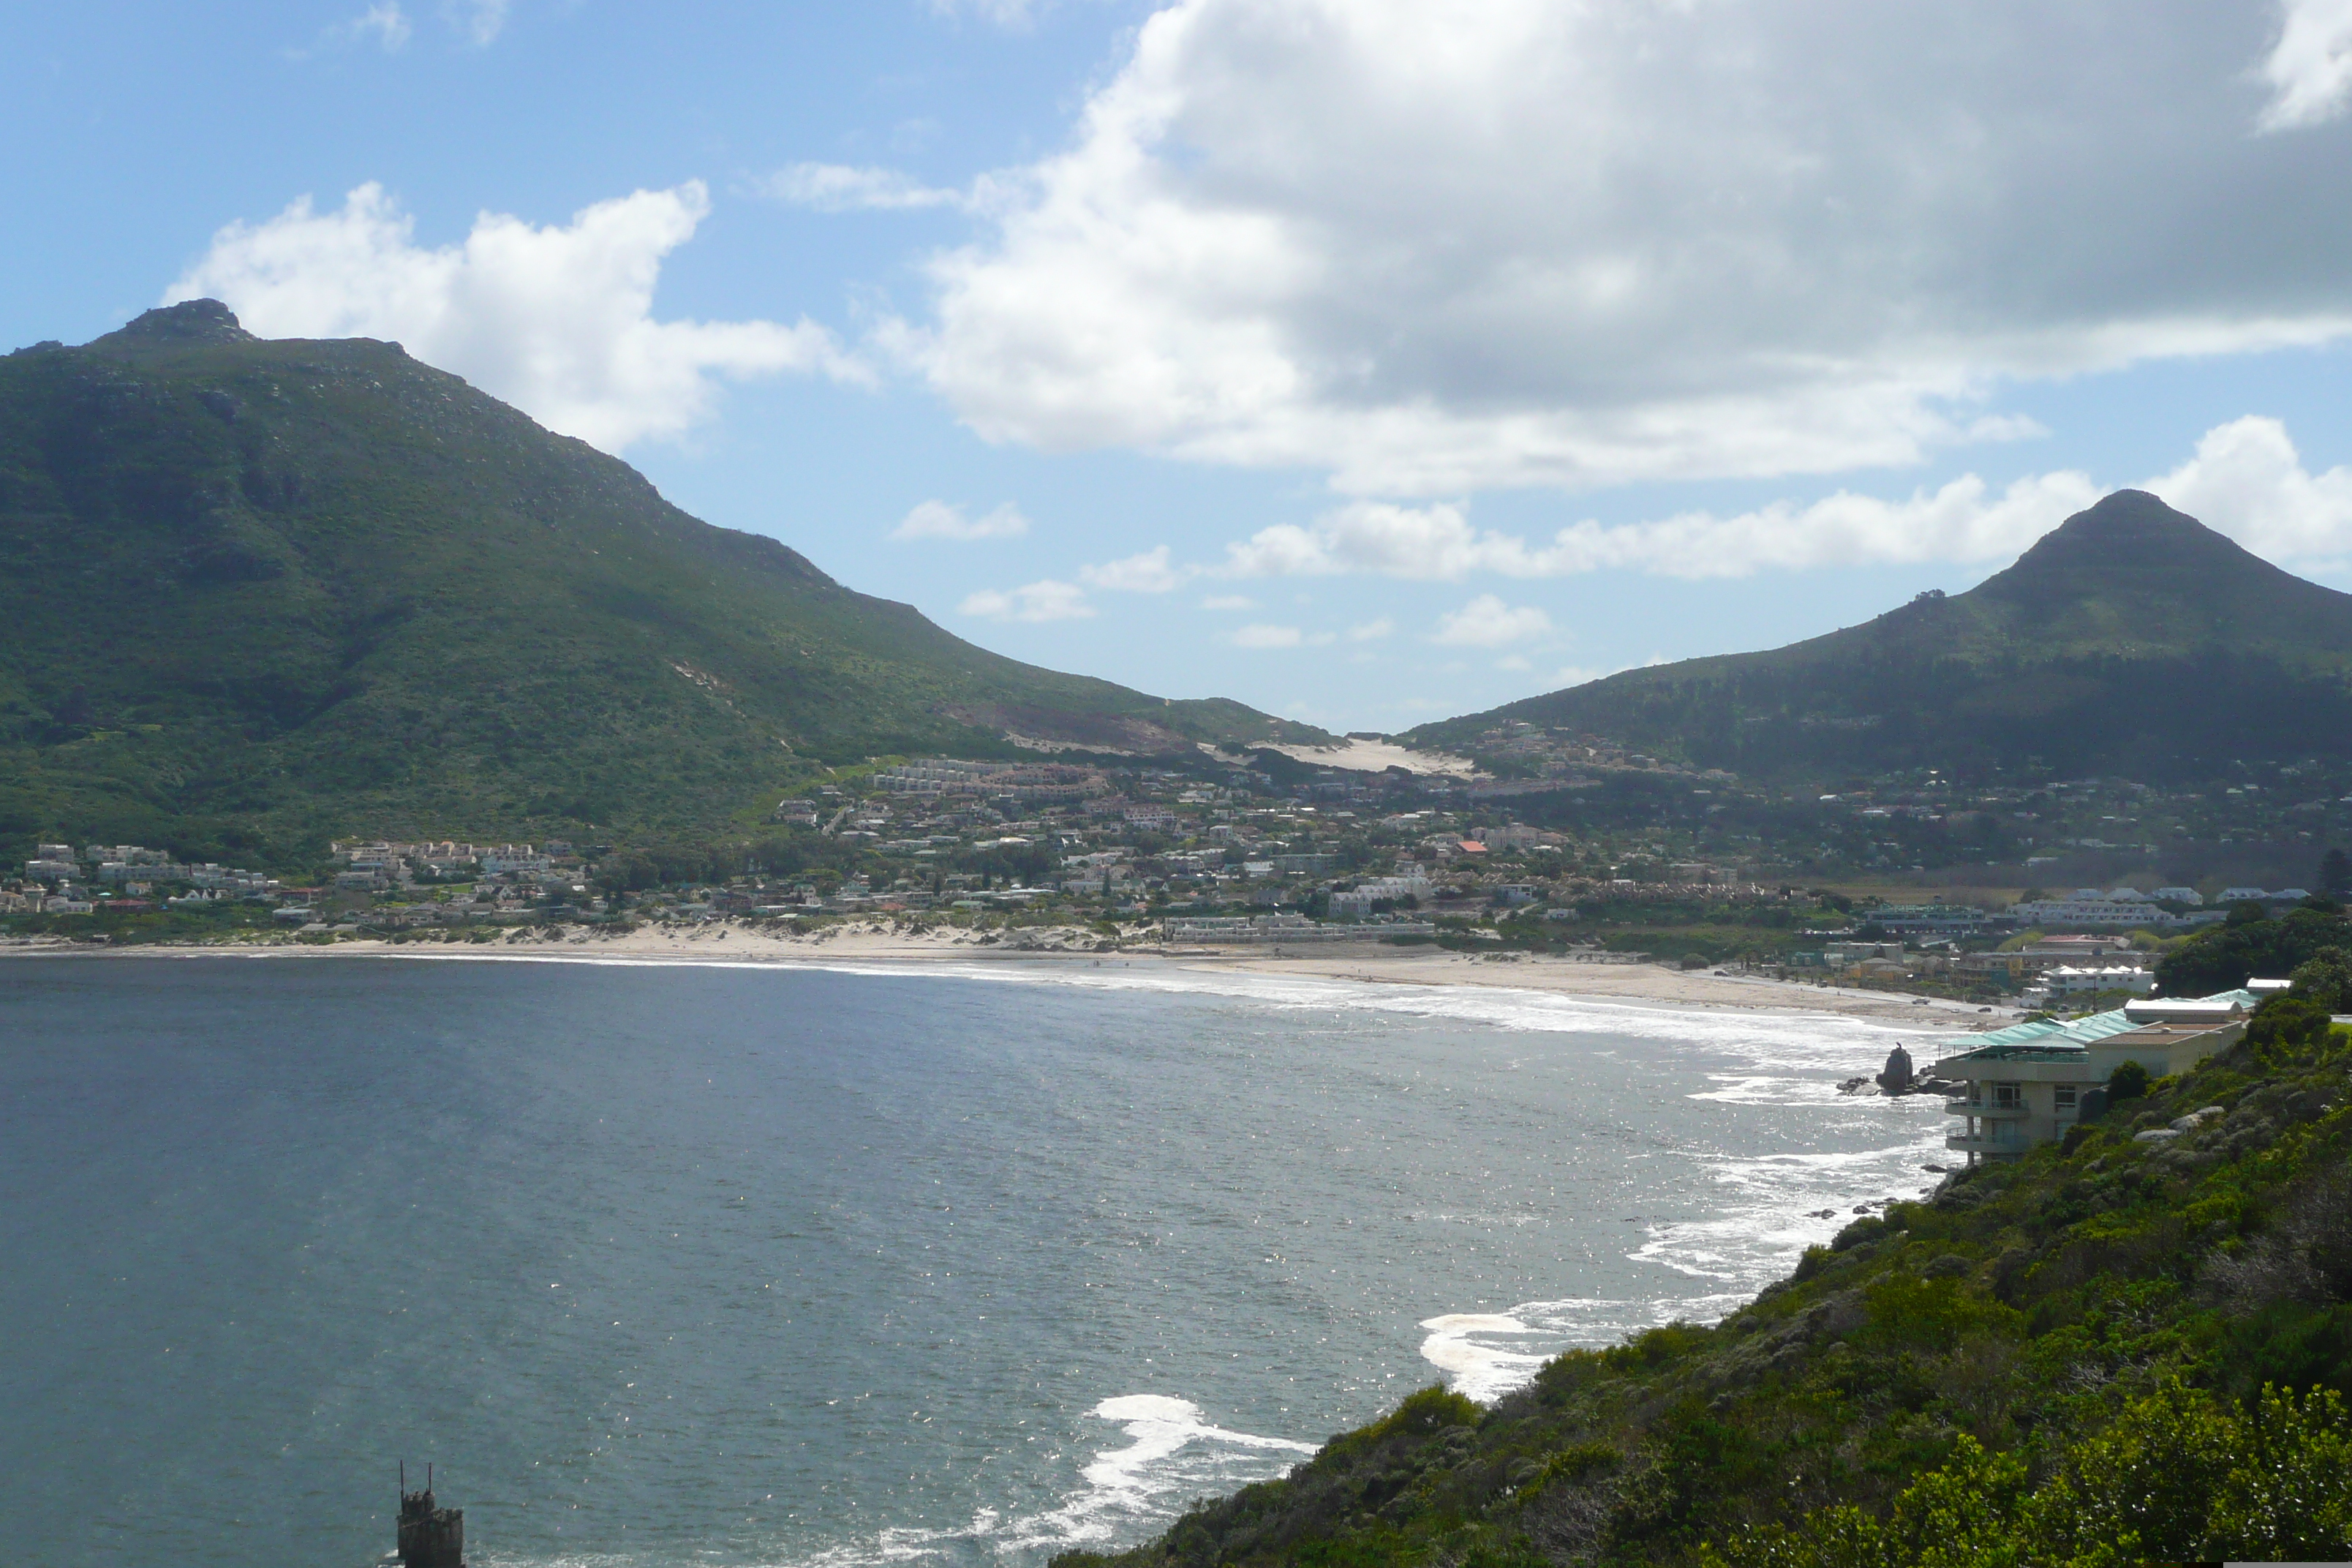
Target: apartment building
[{"x": 2026, "y": 1084}]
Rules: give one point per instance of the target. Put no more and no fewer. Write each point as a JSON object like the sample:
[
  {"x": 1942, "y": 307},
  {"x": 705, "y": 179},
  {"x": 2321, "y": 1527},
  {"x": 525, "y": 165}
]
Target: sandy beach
[{"x": 733, "y": 942}]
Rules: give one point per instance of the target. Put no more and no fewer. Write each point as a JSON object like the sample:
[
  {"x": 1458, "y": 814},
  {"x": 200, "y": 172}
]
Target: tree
[
  {"x": 2336, "y": 874},
  {"x": 2220, "y": 957},
  {"x": 2325, "y": 978}
]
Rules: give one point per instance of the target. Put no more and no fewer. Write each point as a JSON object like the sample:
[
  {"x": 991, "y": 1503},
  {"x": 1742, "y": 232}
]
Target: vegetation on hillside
[
  {"x": 2132, "y": 640},
  {"x": 262, "y": 593},
  {"x": 2111, "y": 1350},
  {"x": 2223, "y": 957}
]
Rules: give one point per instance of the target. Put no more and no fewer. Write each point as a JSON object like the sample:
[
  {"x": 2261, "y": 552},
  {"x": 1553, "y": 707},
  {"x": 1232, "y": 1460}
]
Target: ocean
[{"x": 729, "y": 1264}]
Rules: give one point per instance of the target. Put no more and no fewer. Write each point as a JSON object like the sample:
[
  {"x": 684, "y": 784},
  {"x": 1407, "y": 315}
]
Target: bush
[
  {"x": 1694, "y": 961},
  {"x": 2180, "y": 1476},
  {"x": 2129, "y": 1081}
]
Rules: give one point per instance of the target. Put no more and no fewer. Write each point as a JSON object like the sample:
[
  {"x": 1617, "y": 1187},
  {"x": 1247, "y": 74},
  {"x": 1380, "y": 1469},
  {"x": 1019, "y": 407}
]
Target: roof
[
  {"x": 2050, "y": 1040},
  {"x": 2204, "y": 1009}
]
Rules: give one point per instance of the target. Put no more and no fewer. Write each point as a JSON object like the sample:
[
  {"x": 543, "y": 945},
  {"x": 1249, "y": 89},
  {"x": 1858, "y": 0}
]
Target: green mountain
[
  {"x": 256, "y": 593},
  {"x": 2058, "y": 1361},
  {"x": 2130, "y": 640}
]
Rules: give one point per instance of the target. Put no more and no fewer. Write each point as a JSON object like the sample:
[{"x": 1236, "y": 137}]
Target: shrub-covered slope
[
  {"x": 251, "y": 589},
  {"x": 2131, "y": 639},
  {"x": 2062, "y": 1360}
]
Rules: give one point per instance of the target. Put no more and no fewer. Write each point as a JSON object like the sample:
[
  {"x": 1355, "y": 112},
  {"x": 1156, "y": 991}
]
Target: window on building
[
  {"x": 2008, "y": 1095},
  {"x": 2066, "y": 1093}
]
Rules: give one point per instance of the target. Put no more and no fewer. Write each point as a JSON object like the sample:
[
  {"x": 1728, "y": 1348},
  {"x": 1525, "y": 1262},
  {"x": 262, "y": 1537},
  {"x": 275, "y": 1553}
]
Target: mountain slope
[
  {"x": 255, "y": 589},
  {"x": 2131, "y": 639}
]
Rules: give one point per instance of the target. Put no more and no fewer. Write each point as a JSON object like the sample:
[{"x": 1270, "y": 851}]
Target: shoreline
[{"x": 735, "y": 944}]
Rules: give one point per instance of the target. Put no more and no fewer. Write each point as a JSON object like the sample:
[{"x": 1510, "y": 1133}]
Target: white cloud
[
  {"x": 385, "y": 21},
  {"x": 1264, "y": 637},
  {"x": 2309, "y": 69},
  {"x": 839, "y": 187},
  {"x": 1432, "y": 249},
  {"x": 557, "y": 320},
  {"x": 1149, "y": 572},
  {"x": 382, "y": 23},
  {"x": 2248, "y": 481},
  {"x": 939, "y": 519},
  {"x": 1013, "y": 14},
  {"x": 1420, "y": 543},
  {"x": 1045, "y": 600},
  {"x": 481, "y": 20},
  {"x": 1958, "y": 521},
  {"x": 1371, "y": 631},
  {"x": 1488, "y": 622},
  {"x": 1229, "y": 602}
]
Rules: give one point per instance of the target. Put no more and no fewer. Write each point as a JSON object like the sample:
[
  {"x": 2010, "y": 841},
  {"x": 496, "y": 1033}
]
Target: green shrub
[
  {"x": 2290, "y": 1021},
  {"x": 2129, "y": 1081},
  {"x": 2180, "y": 1476}
]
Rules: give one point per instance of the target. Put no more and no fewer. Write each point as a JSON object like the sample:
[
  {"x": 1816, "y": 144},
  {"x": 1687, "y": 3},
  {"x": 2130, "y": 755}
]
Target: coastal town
[{"x": 1547, "y": 844}]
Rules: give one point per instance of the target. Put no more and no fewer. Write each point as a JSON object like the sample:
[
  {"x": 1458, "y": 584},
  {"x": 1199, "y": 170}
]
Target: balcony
[
  {"x": 1992, "y": 1148},
  {"x": 1986, "y": 1109}
]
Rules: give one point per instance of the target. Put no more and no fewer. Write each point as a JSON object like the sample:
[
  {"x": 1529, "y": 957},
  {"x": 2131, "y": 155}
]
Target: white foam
[
  {"x": 1173, "y": 1454},
  {"x": 1463, "y": 1346},
  {"x": 1769, "y": 1037},
  {"x": 1481, "y": 1370},
  {"x": 1161, "y": 1428}
]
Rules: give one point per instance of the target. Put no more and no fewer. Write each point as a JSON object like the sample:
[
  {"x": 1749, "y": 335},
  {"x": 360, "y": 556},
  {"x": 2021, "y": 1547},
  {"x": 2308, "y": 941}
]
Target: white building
[
  {"x": 2261, "y": 896},
  {"x": 2123, "y": 908},
  {"x": 1288, "y": 928},
  {"x": 2026, "y": 1083},
  {"x": 1357, "y": 902},
  {"x": 2066, "y": 980}
]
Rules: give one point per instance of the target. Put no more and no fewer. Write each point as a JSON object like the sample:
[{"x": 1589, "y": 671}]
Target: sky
[{"x": 1369, "y": 361}]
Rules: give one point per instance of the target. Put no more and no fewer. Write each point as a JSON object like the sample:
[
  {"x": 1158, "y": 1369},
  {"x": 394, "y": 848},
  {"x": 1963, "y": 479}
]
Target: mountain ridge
[
  {"x": 2130, "y": 639},
  {"x": 261, "y": 590}
]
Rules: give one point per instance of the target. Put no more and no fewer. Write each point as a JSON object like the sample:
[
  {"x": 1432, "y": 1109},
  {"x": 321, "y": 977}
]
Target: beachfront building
[
  {"x": 2026, "y": 1084},
  {"x": 1356, "y": 903},
  {"x": 2066, "y": 980},
  {"x": 1277, "y": 930},
  {"x": 2116, "y": 909}
]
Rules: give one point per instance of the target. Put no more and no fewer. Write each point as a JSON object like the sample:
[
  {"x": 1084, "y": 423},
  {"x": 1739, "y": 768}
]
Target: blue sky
[{"x": 1370, "y": 361}]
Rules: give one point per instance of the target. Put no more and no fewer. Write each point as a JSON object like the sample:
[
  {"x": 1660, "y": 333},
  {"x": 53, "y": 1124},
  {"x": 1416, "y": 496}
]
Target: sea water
[{"x": 737, "y": 1265}]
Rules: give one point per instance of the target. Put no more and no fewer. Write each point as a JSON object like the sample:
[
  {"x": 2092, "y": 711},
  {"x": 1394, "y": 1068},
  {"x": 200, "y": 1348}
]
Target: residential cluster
[
  {"x": 125, "y": 877},
  {"x": 378, "y": 884},
  {"x": 1559, "y": 842}
]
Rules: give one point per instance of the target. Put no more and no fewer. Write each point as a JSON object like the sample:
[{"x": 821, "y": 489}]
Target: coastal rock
[{"x": 1896, "y": 1077}]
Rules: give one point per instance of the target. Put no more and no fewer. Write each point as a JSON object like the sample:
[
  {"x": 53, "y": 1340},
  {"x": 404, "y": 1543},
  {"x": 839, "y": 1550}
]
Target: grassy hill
[
  {"x": 2132, "y": 639},
  {"x": 2058, "y": 1361},
  {"x": 256, "y": 593}
]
